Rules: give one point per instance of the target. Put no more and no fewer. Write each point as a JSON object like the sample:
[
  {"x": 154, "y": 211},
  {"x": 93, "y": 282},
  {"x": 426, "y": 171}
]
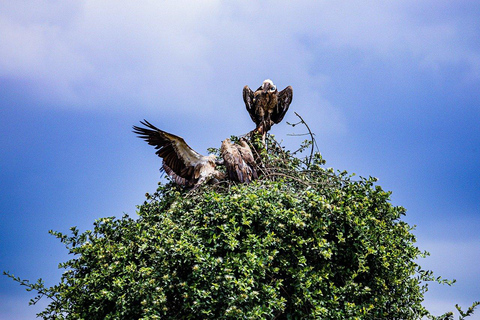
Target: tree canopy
[{"x": 301, "y": 242}]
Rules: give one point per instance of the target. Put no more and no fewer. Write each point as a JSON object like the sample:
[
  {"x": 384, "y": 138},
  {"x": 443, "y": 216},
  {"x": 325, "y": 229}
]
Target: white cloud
[
  {"x": 391, "y": 29},
  {"x": 185, "y": 56}
]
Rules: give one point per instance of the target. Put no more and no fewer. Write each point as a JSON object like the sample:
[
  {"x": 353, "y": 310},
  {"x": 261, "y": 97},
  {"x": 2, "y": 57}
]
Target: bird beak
[{"x": 265, "y": 87}]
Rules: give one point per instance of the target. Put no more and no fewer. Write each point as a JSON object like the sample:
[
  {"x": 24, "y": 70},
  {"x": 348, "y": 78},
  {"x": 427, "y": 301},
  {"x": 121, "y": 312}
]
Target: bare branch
[{"x": 311, "y": 136}]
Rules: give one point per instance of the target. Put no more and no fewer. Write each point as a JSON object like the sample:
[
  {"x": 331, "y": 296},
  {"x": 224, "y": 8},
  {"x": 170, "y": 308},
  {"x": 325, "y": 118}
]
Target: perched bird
[
  {"x": 238, "y": 160},
  {"x": 266, "y": 105},
  {"x": 183, "y": 164}
]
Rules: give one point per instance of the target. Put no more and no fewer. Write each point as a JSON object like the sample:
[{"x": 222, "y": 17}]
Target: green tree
[{"x": 302, "y": 242}]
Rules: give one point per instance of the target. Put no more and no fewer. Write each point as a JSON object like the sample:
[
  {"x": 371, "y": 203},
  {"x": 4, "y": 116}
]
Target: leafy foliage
[
  {"x": 463, "y": 314},
  {"x": 302, "y": 242}
]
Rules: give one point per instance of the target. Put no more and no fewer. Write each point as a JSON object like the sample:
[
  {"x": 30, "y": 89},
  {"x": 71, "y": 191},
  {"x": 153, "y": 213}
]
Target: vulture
[
  {"x": 266, "y": 105},
  {"x": 184, "y": 165},
  {"x": 238, "y": 160}
]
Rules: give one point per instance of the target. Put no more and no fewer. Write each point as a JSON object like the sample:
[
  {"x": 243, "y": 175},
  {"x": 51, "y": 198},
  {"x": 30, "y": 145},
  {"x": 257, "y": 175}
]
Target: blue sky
[{"x": 391, "y": 89}]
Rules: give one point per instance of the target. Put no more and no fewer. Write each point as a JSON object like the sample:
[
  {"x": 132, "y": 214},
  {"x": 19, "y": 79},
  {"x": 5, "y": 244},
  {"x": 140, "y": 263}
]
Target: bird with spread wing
[
  {"x": 266, "y": 105},
  {"x": 184, "y": 165}
]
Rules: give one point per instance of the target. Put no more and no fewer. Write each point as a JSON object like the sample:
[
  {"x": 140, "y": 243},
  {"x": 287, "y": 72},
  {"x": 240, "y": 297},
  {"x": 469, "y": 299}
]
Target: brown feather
[
  {"x": 177, "y": 179},
  {"x": 284, "y": 99},
  {"x": 247, "y": 156},
  {"x": 183, "y": 164},
  {"x": 238, "y": 167}
]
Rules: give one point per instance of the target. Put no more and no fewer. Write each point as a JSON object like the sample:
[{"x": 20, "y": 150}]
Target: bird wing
[
  {"x": 246, "y": 152},
  {"x": 176, "y": 178},
  {"x": 232, "y": 160},
  {"x": 175, "y": 152},
  {"x": 283, "y": 102},
  {"x": 248, "y": 99},
  {"x": 235, "y": 163},
  {"x": 247, "y": 156}
]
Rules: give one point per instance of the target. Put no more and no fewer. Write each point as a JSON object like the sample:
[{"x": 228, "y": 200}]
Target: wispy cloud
[{"x": 106, "y": 54}]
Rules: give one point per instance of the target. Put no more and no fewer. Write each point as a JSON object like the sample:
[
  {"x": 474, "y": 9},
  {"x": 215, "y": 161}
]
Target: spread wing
[
  {"x": 248, "y": 99},
  {"x": 179, "y": 160},
  {"x": 283, "y": 102}
]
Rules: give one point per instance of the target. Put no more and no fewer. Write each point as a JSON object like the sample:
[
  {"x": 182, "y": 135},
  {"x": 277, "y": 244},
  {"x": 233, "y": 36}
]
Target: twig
[
  {"x": 298, "y": 134},
  {"x": 311, "y": 136}
]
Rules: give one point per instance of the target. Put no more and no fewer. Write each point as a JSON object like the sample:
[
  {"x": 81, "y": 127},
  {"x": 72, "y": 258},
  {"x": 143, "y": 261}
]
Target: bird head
[
  {"x": 213, "y": 161},
  {"x": 268, "y": 86}
]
